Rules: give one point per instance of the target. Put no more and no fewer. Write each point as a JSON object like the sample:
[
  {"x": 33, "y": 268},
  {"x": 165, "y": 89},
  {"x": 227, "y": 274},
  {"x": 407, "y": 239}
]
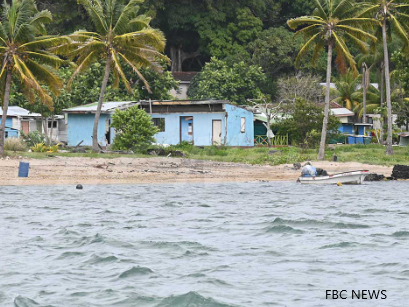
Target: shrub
[
  {"x": 33, "y": 138},
  {"x": 304, "y": 124},
  {"x": 41, "y": 147},
  {"x": 134, "y": 129},
  {"x": 14, "y": 144}
]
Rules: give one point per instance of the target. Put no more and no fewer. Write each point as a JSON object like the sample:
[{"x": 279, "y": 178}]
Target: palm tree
[
  {"x": 393, "y": 16},
  {"x": 331, "y": 24},
  {"x": 373, "y": 100},
  {"x": 122, "y": 36},
  {"x": 24, "y": 57},
  {"x": 346, "y": 92}
]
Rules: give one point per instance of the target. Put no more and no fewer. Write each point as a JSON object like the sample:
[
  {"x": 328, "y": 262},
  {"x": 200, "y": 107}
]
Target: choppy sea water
[{"x": 203, "y": 245}]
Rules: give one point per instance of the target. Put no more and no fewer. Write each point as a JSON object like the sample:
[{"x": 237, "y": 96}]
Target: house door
[
  {"x": 186, "y": 129},
  {"x": 217, "y": 132},
  {"x": 25, "y": 126}
]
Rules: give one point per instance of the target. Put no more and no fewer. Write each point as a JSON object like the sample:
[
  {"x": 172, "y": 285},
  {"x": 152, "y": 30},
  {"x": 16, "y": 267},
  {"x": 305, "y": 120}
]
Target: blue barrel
[{"x": 23, "y": 169}]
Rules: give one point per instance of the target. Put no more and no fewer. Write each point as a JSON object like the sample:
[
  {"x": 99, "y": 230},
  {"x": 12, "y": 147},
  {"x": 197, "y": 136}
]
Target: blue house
[
  {"x": 202, "y": 123},
  {"x": 355, "y": 132},
  {"x": 80, "y": 123},
  {"x": 19, "y": 119}
]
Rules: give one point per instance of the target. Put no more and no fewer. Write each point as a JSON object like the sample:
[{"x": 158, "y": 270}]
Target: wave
[
  {"x": 340, "y": 245},
  {"x": 21, "y": 301},
  {"x": 136, "y": 271},
  {"x": 310, "y": 222},
  {"x": 70, "y": 255},
  {"x": 95, "y": 259},
  {"x": 400, "y": 234},
  {"x": 190, "y": 299},
  {"x": 282, "y": 229}
]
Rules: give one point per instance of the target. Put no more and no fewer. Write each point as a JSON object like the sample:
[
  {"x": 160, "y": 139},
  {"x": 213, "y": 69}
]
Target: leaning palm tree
[
  {"x": 122, "y": 37},
  {"x": 393, "y": 16},
  {"x": 24, "y": 57},
  {"x": 331, "y": 25}
]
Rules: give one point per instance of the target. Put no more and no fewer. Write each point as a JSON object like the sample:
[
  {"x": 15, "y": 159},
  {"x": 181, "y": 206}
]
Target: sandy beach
[{"x": 69, "y": 170}]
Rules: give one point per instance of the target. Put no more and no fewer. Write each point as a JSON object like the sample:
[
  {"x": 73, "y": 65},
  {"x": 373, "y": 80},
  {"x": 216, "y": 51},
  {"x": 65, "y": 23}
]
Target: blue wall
[
  {"x": 11, "y": 133},
  {"x": 203, "y": 126},
  {"x": 234, "y": 136},
  {"x": 346, "y": 128},
  {"x": 80, "y": 128}
]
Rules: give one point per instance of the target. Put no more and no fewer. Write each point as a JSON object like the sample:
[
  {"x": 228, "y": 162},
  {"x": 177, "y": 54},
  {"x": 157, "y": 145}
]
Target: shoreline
[{"x": 158, "y": 170}]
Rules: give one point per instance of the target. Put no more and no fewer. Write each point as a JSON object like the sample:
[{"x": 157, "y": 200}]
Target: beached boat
[{"x": 353, "y": 177}]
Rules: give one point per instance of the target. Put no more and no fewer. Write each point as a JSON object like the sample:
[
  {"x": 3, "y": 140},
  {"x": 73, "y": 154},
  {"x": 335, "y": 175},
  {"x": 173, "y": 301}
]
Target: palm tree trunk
[
  {"x": 52, "y": 129},
  {"x": 364, "y": 88},
  {"x": 321, "y": 153},
  {"x": 389, "y": 150},
  {"x": 5, "y": 108},
  {"x": 95, "y": 147},
  {"x": 382, "y": 89}
]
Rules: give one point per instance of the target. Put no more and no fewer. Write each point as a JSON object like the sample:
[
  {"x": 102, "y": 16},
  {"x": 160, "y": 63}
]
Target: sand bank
[{"x": 68, "y": 171}]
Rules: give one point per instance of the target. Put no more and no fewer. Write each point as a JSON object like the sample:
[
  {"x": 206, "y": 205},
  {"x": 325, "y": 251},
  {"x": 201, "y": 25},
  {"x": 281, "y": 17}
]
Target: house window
[
  {"x": 243, "y": 125},
  {"x": 160, "y": 123},
  {"x": 54, "y": 124}
]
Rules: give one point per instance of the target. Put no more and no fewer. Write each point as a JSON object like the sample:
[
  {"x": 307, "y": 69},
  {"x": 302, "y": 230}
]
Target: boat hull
[{"x": 355, "y": 177}]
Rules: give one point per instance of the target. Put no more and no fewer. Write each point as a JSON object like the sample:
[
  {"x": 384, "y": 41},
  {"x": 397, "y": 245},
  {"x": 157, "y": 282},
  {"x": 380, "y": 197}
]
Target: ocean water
[{"x": 203, "y": 245}]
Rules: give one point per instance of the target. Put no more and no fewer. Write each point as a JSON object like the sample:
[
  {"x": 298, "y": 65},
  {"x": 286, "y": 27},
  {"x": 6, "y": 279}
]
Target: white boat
[{"x": 353, "y": 177}]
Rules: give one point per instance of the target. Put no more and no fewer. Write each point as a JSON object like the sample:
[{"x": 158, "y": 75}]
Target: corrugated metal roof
[
  {"x": 183, "y": 102},
  {"x": 106, "y": 107},
  {"x": 341, "y": 112},
  {"x": 17, "y": 111}
]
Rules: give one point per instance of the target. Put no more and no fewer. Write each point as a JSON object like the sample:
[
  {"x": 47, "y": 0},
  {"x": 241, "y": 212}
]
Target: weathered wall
[
  {"x": 203, "y": 125},
  {"x": 9, "y": 124},
  {"x": 80, "y": 128},
  {"x": 234, "y": 136},
  {"x": 202, "y": 128}
]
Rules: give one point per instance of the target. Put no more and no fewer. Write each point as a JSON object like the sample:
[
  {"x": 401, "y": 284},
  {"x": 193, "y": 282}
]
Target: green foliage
[
  {"x": 235, "y": 82},
  {"x": 275, "y": 50},
  {"x": 333, "y": 23},
  {"x": 304, "y": 124},
  {"x": 346, "y": 92},
  {"x": 32, "y": 138},
  {"x": 134, "y": 129},
  {"x": 14, "y": 144}
]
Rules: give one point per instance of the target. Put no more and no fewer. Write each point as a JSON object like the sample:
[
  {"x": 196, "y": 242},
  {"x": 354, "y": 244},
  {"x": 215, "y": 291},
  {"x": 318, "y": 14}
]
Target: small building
[
  {"x": 202, "y": 122},
  {"x": 184, "y": 79},
  {"x": 355, "y": 132},
  {"x": 80, "y": 123},
  {"x": 404, "y": 139},
  {"x": 19, "y": 119}
]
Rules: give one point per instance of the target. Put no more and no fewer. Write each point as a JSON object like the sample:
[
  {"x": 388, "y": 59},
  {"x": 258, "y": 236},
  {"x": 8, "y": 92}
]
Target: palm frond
[
  {"x": 306, "y": 47},
  {"x": 84, "y": 65},
  {"x": 136, "y": 70},
  {"x": 303, "y": 21},
  {"x": 95, "y": 12},
  {"x": 117, "y": 67}
]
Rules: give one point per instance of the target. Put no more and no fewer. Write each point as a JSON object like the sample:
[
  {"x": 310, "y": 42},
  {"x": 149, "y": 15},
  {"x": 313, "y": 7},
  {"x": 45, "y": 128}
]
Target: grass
[{"x": 370, "y": 154}]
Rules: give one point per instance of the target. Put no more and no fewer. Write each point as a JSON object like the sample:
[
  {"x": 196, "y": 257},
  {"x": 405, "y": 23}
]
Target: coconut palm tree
[
  {"x": 373, "y": 100},
  {"x": 346, "y": 90},
  {"x": 121, "y": 37},
  {"x": 331, "y": 25},
  {"x": 393, "y": 16},
  {"x": 24, "y": 57}
]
